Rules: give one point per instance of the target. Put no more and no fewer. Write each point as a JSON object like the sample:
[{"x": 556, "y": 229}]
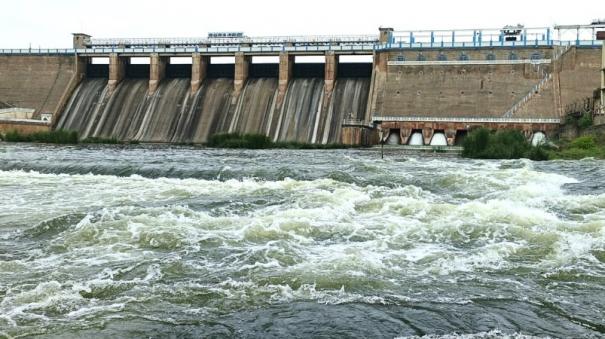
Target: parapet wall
[{"x": 35, "y": 82}]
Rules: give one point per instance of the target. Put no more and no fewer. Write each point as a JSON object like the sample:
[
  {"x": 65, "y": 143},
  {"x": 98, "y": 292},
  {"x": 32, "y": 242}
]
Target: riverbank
[
  {"x": 589, "y": 145},
  {"x": 230, "y": 140},
  {"x": 512, "y": 144}
]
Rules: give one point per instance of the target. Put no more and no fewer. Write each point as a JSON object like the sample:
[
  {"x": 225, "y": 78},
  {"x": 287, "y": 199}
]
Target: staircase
[
  {"x": 521, "y": 103},
  {"x": 559, "y": 53}
]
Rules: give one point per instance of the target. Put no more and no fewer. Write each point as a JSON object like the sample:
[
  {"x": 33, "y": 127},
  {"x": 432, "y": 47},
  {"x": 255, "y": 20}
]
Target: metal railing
[
  {"x": 357, "y": 122},
  {"x": 16, "y": 110},
  {"x": 534, "y": 90},
  {"x": 469, "y": 62},
  {"x": 36, "y": 51},
  {"x": 477, "y": 44},
  {"x": 518, "y": 35},
  {"x": 262, "y": 40},
  {"x": 367, "y": 48},
  {"x": 468, "y": 120},
  {"x": 26, "y": 121}
]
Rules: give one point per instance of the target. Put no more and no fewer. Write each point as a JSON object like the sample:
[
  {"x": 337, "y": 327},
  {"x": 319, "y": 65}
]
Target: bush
[
  {"x": 260, "y": 141},
  {"x": 476, "y": 143},
  {"x": 504, "y": 144},
  {"x": 585, "y": 120},
  {"x": 585, "y": 142},
  {"x": 97, "y": 140},
  {"x": 236, "y": 140},
  {"x": 538, "y": 153},
  {"x": 50, "y": 137},
  {"x": 582, "y": 121}
]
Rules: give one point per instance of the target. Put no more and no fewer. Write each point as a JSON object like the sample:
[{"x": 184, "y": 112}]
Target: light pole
[{"x": 380, "y": 135}]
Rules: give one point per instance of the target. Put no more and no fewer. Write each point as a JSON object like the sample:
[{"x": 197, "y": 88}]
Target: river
[{"x": 158, "y": 241}]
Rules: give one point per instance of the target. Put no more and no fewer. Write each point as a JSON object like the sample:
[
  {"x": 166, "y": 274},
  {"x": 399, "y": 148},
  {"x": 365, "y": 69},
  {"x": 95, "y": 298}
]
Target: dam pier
[{"x": 406, "y": 87}]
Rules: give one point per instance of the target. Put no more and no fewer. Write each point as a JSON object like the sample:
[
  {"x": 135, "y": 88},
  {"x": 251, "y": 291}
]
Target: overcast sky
[{"x": 50, "y": 23}]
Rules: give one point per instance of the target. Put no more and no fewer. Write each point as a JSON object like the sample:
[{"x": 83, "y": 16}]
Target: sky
[{"x": 49, "y": 24}]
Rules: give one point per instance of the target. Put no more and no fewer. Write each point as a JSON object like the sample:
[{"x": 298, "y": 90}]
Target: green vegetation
[
  {"x": 50, "y": 137},
  {"x": 511, "y": 144},
  {"x": 259, "y": 141},
  {"x": 58, "y": 137},
  {"x": 587, "y": 146},
  {"x": 96, "y": 140},
  {"x": 503, "y": 144},
  {"x": 582, "y": 121},
  {"x": 235, "y": 140}
]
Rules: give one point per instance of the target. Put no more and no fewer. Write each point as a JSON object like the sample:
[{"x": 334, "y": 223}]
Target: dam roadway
[{"x": 427, "y": 82}]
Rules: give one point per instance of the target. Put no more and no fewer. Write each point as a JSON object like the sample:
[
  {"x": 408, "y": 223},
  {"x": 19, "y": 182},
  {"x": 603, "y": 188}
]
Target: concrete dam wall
[
  {"x": 448, "y": 88},
  {"x": 35, "y": 82},
  {"x": 412, "y": 85},
  {"x": 173, "y": 114}
]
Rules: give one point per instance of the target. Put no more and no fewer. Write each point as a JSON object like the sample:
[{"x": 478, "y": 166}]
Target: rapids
[{"x": 157, "y": 241}]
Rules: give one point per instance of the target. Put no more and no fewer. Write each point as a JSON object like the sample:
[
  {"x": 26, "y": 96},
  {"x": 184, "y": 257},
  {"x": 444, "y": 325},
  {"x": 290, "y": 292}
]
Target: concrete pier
[
  {"x": 450, "y": 135},
  {"x": 331, "y": 69},
  {"x": 286, "y": 71},
  {"x": 117, "y": 70},
  {"x": 427, "y": 135},
  {"x": 199, "y": 70},
  {"x": 157, "y": 71},
  {"x": 242, "y": 65}
]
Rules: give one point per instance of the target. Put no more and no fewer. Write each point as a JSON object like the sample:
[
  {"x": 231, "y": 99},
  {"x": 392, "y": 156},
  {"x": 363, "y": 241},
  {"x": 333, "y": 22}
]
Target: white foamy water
[{"x": 136, "y": 241}]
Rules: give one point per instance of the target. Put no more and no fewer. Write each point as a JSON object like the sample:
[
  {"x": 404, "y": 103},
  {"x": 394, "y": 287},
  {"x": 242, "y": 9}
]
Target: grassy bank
[
  {"x": 587, "y": 146},
  {"x": 259, "y": 141}
]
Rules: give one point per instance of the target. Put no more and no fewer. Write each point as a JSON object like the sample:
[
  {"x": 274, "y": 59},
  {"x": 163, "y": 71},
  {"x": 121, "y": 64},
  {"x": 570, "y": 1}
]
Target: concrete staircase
[
  {"x": 523, "y": 101},
  {"x": 561, "y": 51},
  {"x": 558, "y": 55}
]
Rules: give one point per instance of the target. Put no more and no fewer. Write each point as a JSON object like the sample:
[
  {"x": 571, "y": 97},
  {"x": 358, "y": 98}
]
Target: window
[
  {"x": 421, "y": 57},
  {"x": 463, "y": 57},
  {"x": 536, "y": 56},
  {"x": 442, "y": 57},
  {"x": 490, "y": 56},
  {"x": 513, "y": 56},
  {"x": 400, "y": 57}
]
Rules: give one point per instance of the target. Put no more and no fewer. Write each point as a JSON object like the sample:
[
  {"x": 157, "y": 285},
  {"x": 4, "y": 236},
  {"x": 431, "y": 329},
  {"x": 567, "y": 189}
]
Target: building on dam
[{"x": 413, "y": 87}]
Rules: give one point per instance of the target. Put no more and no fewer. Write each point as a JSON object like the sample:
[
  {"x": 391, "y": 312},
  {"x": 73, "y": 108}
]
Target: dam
[{"x": 405, "y": 87}]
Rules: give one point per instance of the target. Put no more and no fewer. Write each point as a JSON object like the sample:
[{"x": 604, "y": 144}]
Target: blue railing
[
  {"x": 367, "y": 48},
  {"x": 480, "y": 44}
]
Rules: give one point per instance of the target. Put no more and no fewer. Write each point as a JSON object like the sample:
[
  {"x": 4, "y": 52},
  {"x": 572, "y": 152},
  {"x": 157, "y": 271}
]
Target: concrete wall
[
  {"x": 22, "y": 127},
  {"x": 481, "y": 90},
  {"x": 471, "y": 53},
  {"x": 579, "y": 74},
  {"x": 451, "y": 129},
  {"x": 458, "y": 91},
  {"x": 36, "y": 82}
]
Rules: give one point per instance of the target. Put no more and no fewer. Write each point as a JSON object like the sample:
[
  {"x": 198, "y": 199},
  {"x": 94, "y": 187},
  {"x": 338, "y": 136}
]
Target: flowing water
[
  {"x": 172, "y": 114},
  {"x": 146, "y": 241}
]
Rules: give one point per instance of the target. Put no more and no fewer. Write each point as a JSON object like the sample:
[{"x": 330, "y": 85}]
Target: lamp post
[
  {"x": 380, "y": 135},
  {"x": 601, "y": 36}
]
